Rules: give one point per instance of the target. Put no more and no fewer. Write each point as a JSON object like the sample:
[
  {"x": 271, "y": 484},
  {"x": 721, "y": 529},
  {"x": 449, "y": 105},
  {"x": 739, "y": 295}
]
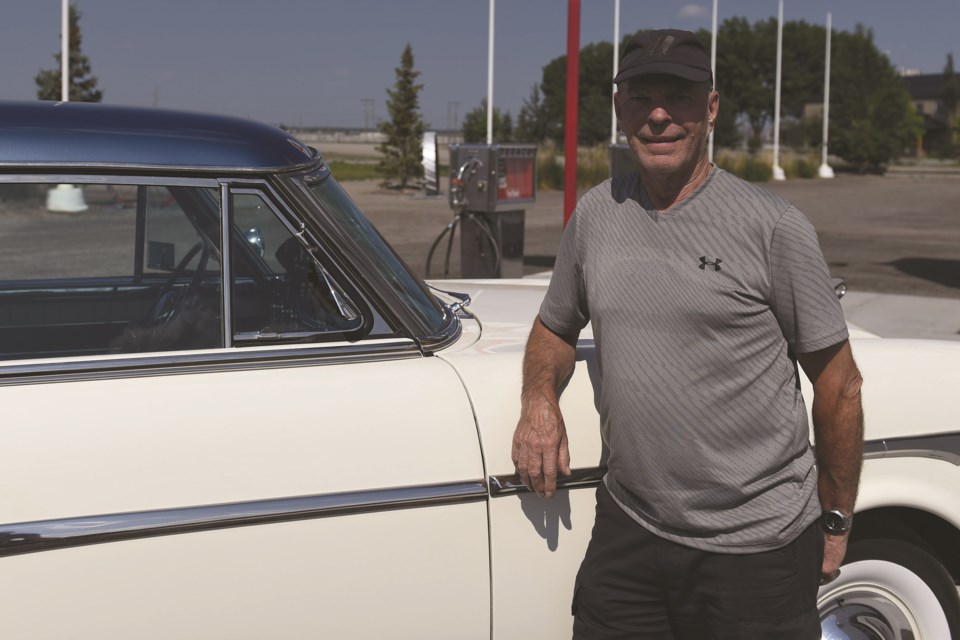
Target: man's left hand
[{"x": 834, "y": 549}]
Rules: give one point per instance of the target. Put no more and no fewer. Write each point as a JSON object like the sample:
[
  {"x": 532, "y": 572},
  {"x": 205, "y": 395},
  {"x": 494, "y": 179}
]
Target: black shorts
[{"x": 635, "y": 585}]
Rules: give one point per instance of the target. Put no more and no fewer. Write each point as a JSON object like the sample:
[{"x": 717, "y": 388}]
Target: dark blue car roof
[{"x": 73, "y": 134}]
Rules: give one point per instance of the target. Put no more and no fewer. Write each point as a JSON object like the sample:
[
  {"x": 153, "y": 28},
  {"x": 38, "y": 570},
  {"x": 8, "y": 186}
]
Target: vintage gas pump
[{"x": 487, "y": 182}]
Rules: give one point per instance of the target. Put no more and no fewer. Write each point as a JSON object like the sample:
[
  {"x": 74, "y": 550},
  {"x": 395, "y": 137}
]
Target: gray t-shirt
[{"x": 698, "y": 313}]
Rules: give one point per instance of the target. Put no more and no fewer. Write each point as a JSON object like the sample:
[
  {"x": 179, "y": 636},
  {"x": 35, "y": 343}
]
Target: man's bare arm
[
  {"x": 540, "y": 448},
  {"x": 838, "y": 434}
]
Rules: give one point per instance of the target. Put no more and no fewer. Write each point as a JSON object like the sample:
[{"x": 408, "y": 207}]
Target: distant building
[
  {"x": 926, "y": 91},
  {"x": 939, "y": 126}
]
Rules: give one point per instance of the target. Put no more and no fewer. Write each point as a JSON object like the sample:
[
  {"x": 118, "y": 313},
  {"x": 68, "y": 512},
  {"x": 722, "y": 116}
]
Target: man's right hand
[{"x": 540, "y": 448}]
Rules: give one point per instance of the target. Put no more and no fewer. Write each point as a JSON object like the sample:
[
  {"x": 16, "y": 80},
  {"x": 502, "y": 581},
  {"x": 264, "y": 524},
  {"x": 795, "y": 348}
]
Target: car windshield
[{"x": 339, "y": 206}]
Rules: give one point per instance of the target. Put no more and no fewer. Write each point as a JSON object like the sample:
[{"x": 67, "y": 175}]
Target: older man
[{"x": 715, "y": 519}]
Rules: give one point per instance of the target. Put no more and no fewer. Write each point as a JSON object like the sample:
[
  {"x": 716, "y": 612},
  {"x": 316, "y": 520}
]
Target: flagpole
[
  {"x": 713, "y": 69},
  {"x": 65, "y": 50},
  {"x": 777, "y": 169},
  {"x": 65, "y": 197},
  {"x": 826, "y": 171},
  {"x": 616, "y": 69},
  {"x": 490, "y": 76}
]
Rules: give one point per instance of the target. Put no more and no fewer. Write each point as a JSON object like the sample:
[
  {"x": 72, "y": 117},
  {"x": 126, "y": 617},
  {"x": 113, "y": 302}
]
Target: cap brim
[{"x": 665, "y": 68}]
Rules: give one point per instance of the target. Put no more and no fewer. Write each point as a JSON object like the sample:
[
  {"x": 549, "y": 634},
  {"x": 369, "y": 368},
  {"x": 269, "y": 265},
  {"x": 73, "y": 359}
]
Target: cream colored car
[{"x": 230, "y": 411}]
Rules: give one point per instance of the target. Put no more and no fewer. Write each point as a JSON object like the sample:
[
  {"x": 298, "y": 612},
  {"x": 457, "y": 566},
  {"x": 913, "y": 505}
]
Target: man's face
[{"x": 667, "y": 120}]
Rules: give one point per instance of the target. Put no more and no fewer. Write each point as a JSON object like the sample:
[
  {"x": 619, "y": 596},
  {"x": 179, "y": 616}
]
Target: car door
[
  {"x": 537, "y": 543},
  {"x": 206, "y": 437}
]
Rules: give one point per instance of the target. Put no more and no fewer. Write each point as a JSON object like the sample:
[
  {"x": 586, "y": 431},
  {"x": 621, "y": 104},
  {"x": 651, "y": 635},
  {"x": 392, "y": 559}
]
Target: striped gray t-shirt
[{"x": 697, "y": 313}]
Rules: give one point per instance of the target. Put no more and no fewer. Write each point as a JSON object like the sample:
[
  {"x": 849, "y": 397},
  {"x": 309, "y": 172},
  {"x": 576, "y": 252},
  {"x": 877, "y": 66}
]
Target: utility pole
[
  {"x": 368, "y": 113},
  {"x": 452, "y": 108}
]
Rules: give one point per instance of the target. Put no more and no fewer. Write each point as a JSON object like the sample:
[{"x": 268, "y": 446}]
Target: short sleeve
[
  {"x": 803, "y": 298},
  {"x": 564, "y": 309}
]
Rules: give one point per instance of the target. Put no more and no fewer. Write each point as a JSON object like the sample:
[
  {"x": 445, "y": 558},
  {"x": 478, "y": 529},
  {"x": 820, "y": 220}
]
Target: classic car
[{"x": 231, "y": 411}]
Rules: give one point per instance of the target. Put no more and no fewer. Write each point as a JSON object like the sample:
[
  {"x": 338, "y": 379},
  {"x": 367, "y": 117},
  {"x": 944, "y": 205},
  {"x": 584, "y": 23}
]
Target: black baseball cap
[{"x": 665, "y": 51}]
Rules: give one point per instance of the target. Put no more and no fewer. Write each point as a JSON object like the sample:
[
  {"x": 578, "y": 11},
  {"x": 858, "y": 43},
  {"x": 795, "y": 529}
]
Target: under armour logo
[{"x": 713, "y": 263}]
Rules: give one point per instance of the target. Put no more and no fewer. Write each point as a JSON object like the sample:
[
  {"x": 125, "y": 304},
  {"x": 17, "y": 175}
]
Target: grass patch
[
  {"x": 593, "y": 167},
  {"x": 345, "y": 170},
  {"x": 354, "y": 170}
]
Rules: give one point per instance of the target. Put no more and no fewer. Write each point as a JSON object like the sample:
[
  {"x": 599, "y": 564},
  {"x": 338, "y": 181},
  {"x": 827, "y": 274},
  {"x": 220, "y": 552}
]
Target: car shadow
[{"x": 939, "y": 270}]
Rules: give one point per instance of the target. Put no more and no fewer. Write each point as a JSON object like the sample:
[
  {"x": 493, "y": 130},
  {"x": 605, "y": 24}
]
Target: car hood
[
  {"x": 501, "y": 312},
  {"x": 505, "y": 309}
]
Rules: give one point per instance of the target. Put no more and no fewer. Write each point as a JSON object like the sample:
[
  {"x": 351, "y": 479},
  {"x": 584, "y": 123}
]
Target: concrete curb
[{"x": 900, "y": 316}]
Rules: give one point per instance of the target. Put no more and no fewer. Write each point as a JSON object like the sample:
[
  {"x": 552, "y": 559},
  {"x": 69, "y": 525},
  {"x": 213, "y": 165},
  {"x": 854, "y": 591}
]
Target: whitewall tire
[{"x": 889, "y": 590}]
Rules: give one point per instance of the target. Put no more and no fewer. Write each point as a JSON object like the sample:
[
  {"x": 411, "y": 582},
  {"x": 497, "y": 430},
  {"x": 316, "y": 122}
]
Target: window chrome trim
[
  {"x": 296, "y": 224},
  {"x": 940, "y": 446},
  {"x": 445, "y": 337},
  {"x": 160, "y": 179},
  {"x": 584, "y": 478},
  {"x": 243, "y": 359},
  {"x": 226, "y": 265},
  {"x": 48, "y": 535}
]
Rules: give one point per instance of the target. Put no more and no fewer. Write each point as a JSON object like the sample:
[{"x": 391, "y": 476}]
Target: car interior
[{"x": 140, "y": 271}]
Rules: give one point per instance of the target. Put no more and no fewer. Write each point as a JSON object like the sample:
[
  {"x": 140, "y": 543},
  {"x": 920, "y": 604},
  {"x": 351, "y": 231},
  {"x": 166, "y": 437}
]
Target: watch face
[{"x": 834, "y": 522}]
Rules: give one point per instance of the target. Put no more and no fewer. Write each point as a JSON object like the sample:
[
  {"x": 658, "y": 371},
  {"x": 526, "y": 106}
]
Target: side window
[
  {"x": 280, "y": 289},
  {"x": 99, "y": 269}
]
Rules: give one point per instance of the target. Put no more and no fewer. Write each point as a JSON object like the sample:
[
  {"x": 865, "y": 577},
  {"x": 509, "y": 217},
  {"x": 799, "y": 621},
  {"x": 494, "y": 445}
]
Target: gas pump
[{"x": 486, "y": 183}]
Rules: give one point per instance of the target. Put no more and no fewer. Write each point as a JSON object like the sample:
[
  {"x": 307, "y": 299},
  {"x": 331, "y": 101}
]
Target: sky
[{"x": 329, "y": 62}]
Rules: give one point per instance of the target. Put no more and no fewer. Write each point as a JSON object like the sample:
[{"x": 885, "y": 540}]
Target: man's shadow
[{"x": 547, "y": 514}]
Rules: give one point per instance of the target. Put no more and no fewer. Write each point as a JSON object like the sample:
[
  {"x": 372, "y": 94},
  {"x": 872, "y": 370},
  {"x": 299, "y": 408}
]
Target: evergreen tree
[
  {"x": 83, "y": 86},
  {"x": 475, "y": 125},
  {"x": 950, "y": 90},
  {"x": 950, "y": 94},
  {"x": 531, "y": 121},
  {"x": 402, "y": 149}
]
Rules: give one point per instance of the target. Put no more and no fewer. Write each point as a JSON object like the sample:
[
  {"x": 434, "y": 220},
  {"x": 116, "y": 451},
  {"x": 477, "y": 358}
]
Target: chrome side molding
[
  {"x": 584, "y": 478},
  {"x": 47, "y": 535},
  {"x": 941, "y": 446}
]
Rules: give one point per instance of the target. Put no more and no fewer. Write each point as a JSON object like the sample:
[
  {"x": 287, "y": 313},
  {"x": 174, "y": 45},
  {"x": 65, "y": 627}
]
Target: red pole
[{"x": 573, "y": 93}]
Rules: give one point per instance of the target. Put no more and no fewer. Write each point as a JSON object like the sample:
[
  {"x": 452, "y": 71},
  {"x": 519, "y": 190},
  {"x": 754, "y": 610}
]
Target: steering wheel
[{"x": 171, "y": 300}]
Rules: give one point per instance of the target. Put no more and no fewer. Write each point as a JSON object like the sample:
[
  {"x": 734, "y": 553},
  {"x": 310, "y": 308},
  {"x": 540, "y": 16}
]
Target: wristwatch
[{"x": 836, "y": 523}]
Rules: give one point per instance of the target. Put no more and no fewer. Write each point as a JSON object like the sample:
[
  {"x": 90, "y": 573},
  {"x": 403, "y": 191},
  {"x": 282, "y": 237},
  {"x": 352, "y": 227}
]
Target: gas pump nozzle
[{"x": 458, "y": 183}]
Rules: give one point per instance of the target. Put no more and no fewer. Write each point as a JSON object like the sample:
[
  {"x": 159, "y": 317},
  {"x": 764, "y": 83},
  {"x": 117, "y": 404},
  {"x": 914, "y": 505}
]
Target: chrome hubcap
[{"x": 865, "y": 612}]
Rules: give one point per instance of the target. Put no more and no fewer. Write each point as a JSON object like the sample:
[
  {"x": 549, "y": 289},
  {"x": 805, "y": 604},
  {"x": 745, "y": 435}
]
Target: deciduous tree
[
  {"x": 595, "y": 91},
  {"x": 872, "y": 118}
]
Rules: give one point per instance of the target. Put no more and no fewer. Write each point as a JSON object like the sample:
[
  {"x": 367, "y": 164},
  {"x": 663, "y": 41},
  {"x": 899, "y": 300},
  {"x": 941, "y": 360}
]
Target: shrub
[
  {"x": 757, "y": 170},
  {"x": 749, "y": 167},
  {"x": 802, "y": 167}
]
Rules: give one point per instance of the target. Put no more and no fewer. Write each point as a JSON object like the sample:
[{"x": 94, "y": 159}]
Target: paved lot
[{"x": 887, "y": 236}]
